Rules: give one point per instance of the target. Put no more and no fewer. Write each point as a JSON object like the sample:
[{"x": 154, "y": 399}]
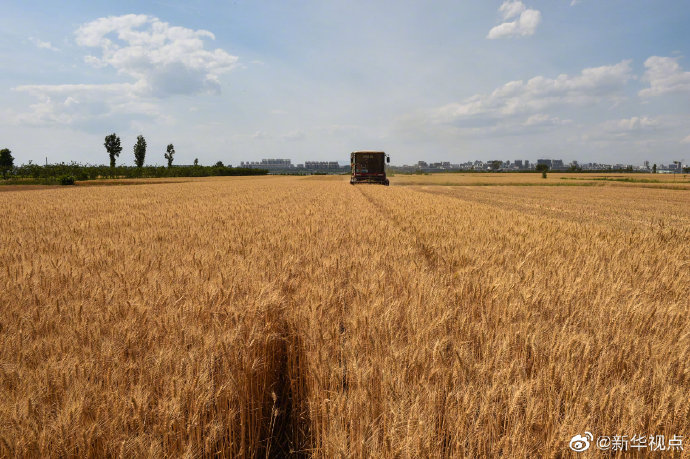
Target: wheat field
[{"x": 266, "y": 316}]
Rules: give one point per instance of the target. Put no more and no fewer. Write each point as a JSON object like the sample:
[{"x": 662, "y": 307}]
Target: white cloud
[
  {"x": 526, "y": 21},
  {"x": 83, "y": 104},
  {"x": 294, "y": 135},
  {"x": 686, "y": 140},
  {"x": 167, "y": 59},
  {"x": 160, "y": 60},
  {"x": 522, "y": 107},
  {"x": 638, "y": 131},
  {"x": 541, "y": 119},
  {"x": 77, "y": 89},
  {"x": 261, "y": 135},
  {"x": 635, "y": 123},
  {"x": 591, "y": 86},
  {"x": 511, "y": 9},
  {"x": 42, "y": 44},
  {"x": 664, "y": 76}
]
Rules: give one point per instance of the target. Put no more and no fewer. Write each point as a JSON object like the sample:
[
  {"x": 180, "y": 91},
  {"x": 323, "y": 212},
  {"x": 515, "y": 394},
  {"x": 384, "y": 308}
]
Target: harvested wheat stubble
[{"x": 259, "y": 316}]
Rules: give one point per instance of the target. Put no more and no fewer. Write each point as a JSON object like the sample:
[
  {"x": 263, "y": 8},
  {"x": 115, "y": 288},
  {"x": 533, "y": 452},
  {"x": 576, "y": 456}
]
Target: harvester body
[{"x": 369, "y": 167}]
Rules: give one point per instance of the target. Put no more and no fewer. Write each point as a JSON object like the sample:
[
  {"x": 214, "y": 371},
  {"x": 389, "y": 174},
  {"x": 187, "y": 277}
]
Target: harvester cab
[{"x": 369, "y": 167}]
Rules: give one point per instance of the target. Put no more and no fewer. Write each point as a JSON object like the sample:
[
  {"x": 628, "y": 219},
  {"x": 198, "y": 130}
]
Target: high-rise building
[
  {"x": 321, "y": 165},
  {"x": 269, "y": 164}
]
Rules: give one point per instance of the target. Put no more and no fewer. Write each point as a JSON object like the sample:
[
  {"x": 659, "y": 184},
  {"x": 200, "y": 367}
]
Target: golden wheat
[
  {"x": 260, "y": 316},
  {"x": 625, "y": 180}
]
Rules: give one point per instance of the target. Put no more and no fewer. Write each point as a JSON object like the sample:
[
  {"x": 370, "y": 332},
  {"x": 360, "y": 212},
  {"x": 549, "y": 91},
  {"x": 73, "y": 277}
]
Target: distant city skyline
[
  {"x": 313, "y": 81},
  {"x": 284, "y": 164}
]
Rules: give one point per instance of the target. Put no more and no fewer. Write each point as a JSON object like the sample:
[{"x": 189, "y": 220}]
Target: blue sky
[{"x": 586, "y": 80}]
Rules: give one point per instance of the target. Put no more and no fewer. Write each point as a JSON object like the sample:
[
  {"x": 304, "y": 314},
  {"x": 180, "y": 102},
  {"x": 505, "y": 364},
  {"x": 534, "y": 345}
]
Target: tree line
[{"x": 67, "y": 173}]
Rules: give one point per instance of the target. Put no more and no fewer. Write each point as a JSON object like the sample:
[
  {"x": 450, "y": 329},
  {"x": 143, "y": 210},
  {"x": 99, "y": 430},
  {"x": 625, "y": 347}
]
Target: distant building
[
  {"x": 321, "y": 165},
  {"x": 546, "y": 162},
  {"x": 269, "y": 164},
  {"x": 557, "y": 164},
  {"x": 439, "y": 165}
]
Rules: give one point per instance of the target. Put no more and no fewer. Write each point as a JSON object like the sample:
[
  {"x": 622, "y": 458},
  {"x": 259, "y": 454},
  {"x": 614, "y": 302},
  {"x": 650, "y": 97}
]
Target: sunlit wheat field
[{"x": 263, "y": 316}]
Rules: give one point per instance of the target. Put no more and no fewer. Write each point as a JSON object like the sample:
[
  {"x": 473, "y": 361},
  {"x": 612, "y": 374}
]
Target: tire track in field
[{"x": 429, "y": 255}]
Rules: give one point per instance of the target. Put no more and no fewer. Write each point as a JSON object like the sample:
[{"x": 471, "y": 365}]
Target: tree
[
  {"x": 543, "y": 168},
  {"x": 219, "y": 164},
  {"x": 169, "y": 155},
  {"x": 6, "y": 161},
  {"x": 495, "y": 165},
  {"x": 654, "y": 169},
  {"x": 140, "y": 151},
  {"x": 113, "y": 147}
]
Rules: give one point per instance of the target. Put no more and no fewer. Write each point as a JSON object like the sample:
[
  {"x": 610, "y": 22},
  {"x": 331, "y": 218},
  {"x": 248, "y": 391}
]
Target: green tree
[
  {"x": 140, "y": 151},
  {"x": 654, "y": 169},
  {"x": 196, "y": 161},
  {"x": 543, "y": 168},
  {"x": 170, "y": 152},
  {"x": 6, "y": 161},
  {"x": 495, "y": 165},
  {"x": 219, "y": 164},
  {"x": 113, "y": 147}
]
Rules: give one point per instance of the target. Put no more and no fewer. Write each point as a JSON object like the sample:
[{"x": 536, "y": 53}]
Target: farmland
[{"x": 255, "y": 316}]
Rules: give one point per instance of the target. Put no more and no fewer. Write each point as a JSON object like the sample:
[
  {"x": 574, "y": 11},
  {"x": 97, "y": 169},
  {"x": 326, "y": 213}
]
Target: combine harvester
[{"x": 369, "y": 167}]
